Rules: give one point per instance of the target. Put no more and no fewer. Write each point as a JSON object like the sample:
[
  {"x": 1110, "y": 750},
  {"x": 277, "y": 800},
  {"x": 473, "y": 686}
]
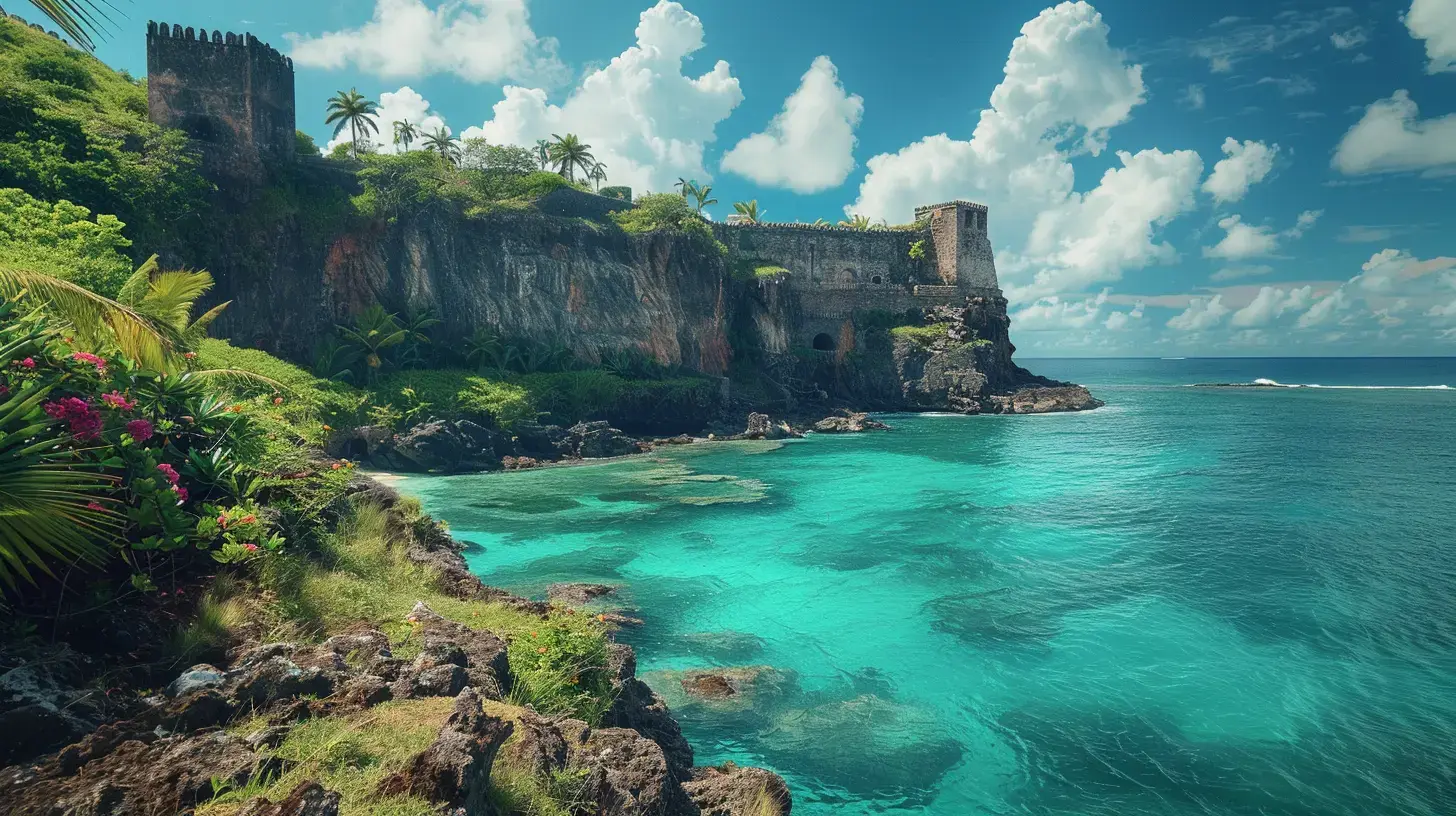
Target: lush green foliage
[
  {"x": 61, "y": 239},
  {"x": 453, "y": 393},
  {"x": 72, "y": 129},
  {"x": 665, "y": 212},
  {"x": 408, "y": 183},
  {"x": 479, "y": 154},
  {"x": 917, "y": 250},
  {"x": 620, "y": 193},
  {"x": 921, "y": 335}
]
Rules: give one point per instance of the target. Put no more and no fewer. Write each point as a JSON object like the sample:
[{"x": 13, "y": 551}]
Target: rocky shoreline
[{"x": 172, "y": 753}]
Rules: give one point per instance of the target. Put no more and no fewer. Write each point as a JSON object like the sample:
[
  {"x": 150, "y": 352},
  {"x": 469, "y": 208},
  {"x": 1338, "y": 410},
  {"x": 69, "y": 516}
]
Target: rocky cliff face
[{"x": 594, "y": 289}]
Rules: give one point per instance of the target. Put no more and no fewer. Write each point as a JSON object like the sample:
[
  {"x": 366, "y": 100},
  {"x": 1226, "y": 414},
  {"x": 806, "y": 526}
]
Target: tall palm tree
[
  {"x": 598, "y": 174},
  {"x": 568, "y": 153},
  {"x": 685, "y": 187},
  {"x": 443, "y": 143},
  {"x": 701, "y": 194},
  {"x": 405, "y": 133},
  {"x": 749, "y": 210},
  {"x": 354, "y": 111},
  {"x": 543, "y": 152},
  {"x": 77, "y": 19},
  {"x": 374, "y": 331}
]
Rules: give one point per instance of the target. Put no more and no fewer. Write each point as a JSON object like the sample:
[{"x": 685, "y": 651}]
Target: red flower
[
  {"x": 140, "y": 429},
  {"x": 250, "y": 547},
  {"x": 28, "y": 362},
  {"x": 181, "y": 493},
  {"x": 249, "y": 519},
  {"x": 277, "y": 400},
  {"x": 335, "y": 466},
  {"x": 84, "y": 421},
  {"x": 95, "y": 506},
  {"x": 191, "y": 355},
  {"x": 118, "y": 401},
  {"x": 87, "y": 357},
  {"x": 170, "y": 472}
]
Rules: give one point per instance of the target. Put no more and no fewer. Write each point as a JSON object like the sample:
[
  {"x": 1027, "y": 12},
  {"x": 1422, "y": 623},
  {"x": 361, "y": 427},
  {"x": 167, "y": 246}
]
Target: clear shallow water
[{"x": 1192, "y": 601}]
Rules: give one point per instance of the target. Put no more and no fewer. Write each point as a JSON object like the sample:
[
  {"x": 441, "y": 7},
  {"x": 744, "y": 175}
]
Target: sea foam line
[{"x": 1267, "y": 382}]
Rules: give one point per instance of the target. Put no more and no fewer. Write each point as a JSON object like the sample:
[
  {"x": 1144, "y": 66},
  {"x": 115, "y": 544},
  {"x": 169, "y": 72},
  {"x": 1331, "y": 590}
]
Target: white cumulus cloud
[
  {"x": 1202, "y": 314},
  {"x": 645, "y": 120},
  {"x": 1245, "y": 164},
  {"x": 1435, "y": 22},
  {"x": 809, "y": 145},
  {"x": 1391, "y": 137},
  {"x": 1119, "y": 321},
  {"x": 1243, "y": 241},
  {"x": 1270, "y": 304},
  {"x": 1064, "y": 88},
  {"x": 1053, "y": 313},
  {"x": 476, "y": 40}
]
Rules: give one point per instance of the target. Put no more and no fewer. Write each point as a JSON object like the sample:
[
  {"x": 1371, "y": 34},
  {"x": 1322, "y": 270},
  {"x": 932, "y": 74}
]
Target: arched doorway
[
  {"x": 877, "y": 279},
  {"x": 823, "y": 342}
]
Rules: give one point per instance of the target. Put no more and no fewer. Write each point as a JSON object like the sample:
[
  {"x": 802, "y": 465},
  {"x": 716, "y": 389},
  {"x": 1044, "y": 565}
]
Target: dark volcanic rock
[
  {"x": 760, "y": 426},
  {"x": 627, "y": 773},
  {"x": 638, "y": 707},
  {"x": 441, "y": 445},
  {"x": 453, "y": 656},
  {"x": 598, "y": 440},
  {"x": 849, "y": 423},
  {"x": 577, "y": 595},
  {"x": 732, "y": 683},
  {"x": 1045, "y": 400},
  {"x": 44, "y": 705},
  {"x": 729, "y": 790},
  {"x": 455, "y": 769},
  {"x": 306, "y": 799}
]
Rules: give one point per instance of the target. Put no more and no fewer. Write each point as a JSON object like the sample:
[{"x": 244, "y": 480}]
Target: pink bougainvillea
[
  {"x": 170, "y": 472},
  {"x": 87, "y": 357},
  {"x": 140, "y": 429},
  {"x": 118, "y": 401},
  {"x": 85, "y": 422}
]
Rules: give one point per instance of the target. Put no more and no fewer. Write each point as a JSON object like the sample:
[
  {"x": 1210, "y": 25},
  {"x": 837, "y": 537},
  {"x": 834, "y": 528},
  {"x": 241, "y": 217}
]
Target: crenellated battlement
[{"x": 232, "y": 93}]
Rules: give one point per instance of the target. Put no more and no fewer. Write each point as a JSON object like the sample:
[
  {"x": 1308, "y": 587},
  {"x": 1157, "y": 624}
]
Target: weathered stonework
[{"x": 231, "y": 93}]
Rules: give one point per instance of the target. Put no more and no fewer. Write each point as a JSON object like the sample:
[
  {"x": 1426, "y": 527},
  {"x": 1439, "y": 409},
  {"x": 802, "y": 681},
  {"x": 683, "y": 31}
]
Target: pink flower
[
  {"x": 95, "y": 506},
  {"x": 118, "y": 401},
  {"x": 87, "y": 357},
  {"x": 181, "y": 493},
  {"x": 140, "y": 429},
  {"x": 191, "y": 355},
  {"x": 250, "y": 547},
  {"x": 170, "y": 472},
  {"x": 84, "y": 421},
  {"x": 28, "y": 362}
]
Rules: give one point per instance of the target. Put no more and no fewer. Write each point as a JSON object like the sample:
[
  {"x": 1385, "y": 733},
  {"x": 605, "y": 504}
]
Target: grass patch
[
  {"x": 921, "y": 335},
  {"x": 350, "y": 755},
  {"x": 559, "y": 663},
  {"x": 214, "y": 625}
]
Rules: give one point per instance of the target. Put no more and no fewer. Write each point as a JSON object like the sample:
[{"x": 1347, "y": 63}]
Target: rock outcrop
[{"x": 455, "y": 770}]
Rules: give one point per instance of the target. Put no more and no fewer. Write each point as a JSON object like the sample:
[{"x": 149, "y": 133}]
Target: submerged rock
[
  {"x": 1045, "y": 400},
  {"x": 577, "y": 595},
  {"x": 740, "y": 683}
]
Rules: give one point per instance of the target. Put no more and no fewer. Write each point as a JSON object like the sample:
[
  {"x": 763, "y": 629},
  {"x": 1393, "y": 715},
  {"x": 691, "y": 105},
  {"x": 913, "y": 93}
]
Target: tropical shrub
[{"x": 62, "y": 239}]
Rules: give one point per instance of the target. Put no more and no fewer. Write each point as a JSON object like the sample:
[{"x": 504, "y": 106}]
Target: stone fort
[{"x": 234, "y": 95}]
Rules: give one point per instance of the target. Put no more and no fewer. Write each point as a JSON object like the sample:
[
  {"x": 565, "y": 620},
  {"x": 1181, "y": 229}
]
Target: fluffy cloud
[
  {"x": 476, "y": 40},
  {"x": 1245, "y": 164},
  {"x": 402, "y": 105},
  {"x": 1391, "y": 270},
  {"x": 1120, "y": 321},
  {"x": 809, "y": 145},
  {"x": 1053, "y": 313},
  {"x": 1435, "y": 22},
  {"x": 645, "y": 120},
  {"x": 1391, "y": 137},
  {"x": 1270, "y": 304},
  {"x": 1324, "y": 310},
  {"x": 1202, "y": 314},
  {"x": 1064, "y": 89},
  {"x": 1243, "y": 241}
]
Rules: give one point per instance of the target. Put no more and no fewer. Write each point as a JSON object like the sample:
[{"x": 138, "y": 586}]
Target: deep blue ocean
[{"x": 1192, "y": 601}]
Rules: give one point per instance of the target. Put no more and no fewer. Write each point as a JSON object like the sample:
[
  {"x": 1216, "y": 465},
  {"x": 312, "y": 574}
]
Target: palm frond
[
  {"x": 237, "y": 376},
  {"x": 138, "y": 337},
  {"x": 136, "y": 286},
  {"x": 170, "y": 297},
  {"x": 76, "y": 18},
  {"x": 197, "y": 331}
]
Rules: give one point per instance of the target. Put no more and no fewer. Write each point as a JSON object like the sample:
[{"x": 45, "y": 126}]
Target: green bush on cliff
[
  {"x": 666, "y": 212},
  {"x": 457, "y": 393},
  {"x": 921, "y": 335},
  {"x": 73, "y": 129},
  {"x": 62, "y": 239}
]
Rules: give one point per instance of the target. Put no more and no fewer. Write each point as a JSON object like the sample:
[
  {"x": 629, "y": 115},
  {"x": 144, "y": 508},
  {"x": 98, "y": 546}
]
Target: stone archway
[{"x": 823, "y": 342}]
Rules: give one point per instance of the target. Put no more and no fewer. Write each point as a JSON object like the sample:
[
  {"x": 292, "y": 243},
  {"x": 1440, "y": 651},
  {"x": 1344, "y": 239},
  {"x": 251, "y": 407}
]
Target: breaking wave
[{"x": 1273, "y": 383}]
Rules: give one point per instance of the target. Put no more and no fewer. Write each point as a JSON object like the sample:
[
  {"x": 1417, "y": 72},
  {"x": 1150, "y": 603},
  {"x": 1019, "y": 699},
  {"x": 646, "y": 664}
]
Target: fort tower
[
  {"x": 963, "y": 255},
  {"x": 229, "y": 92}
]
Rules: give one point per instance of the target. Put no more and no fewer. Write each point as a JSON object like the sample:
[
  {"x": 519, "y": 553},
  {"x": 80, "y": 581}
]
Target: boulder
[
  {"x": 453, "y": 656},
  {"x": 577, "y": 595},
  {"x": 760, "y": 426},
  {"x": 546, "y": 442},
  {"x": 627, "y": 774},
  {"x": 729, "y": 790},
  {"x": 443, "y": 445},
  {"x": 306, "y": 799},
  {"x": 201, "y": 676},
  {"x": 139, "y": 778},
  {"x": 45, "y": 703},
  {"x": 1044, "y": 400},
  {"x": 598, "y": 440},
  {"x": 455, "y": 769},
  {"x": 638, "y": 707},
  {"x": 849, "y": 423}
]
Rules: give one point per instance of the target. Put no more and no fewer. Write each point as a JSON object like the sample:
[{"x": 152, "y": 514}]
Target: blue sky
[{"x": 1239, "y": 178}]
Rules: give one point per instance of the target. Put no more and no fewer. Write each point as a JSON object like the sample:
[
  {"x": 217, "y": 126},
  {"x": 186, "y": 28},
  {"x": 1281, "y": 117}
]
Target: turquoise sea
[{"x": 1193, "y": 601}]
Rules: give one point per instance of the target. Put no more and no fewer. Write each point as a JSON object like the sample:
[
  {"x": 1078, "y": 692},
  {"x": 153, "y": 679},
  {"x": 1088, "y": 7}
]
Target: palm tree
[
  {"x": 354, "y": 111},
  {"x": 75, "y": 18},
  {"x": 598, "y": 174},
  {"x": 89, "y": 315},
  {"x": 859, "y": 222},
  {"x": 443, "y": 143},
  {"x": 701, "y": 194},
  {"x": 749, "y": 210},
  {"x": 543, "y": 152},
  {"x": 405, "y": 132},
  {"x": 166, "y": 298},
  {"x": 684, "y": 187},
  {"x": 374, "y": 330},
  {"x": 568, "y": 153}
]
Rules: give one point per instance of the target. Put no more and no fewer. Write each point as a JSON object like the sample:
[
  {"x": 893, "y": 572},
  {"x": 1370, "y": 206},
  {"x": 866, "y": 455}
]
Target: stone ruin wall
[{"x": 230, "y": 92}]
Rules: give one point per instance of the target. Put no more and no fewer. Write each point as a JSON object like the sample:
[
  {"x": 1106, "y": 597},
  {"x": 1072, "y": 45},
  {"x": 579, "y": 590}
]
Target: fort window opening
[
  {"x": 823, "y": 342},
  {"x": 877, "y": 279}
]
